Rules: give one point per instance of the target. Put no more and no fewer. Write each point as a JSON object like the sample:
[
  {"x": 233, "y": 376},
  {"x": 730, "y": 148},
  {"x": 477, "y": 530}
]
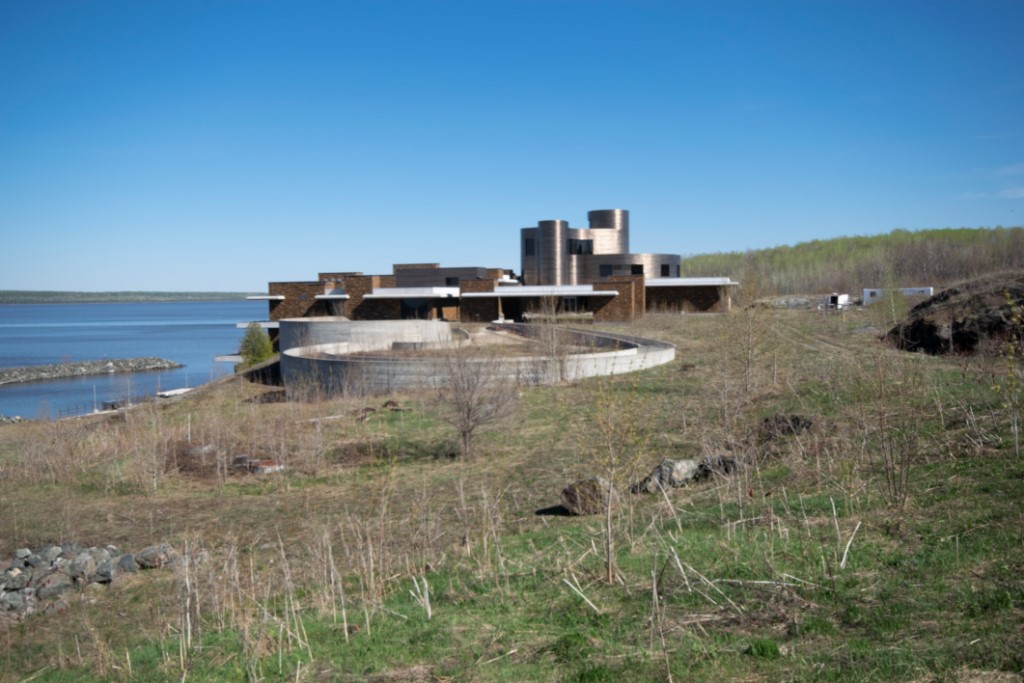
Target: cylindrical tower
[
  {"x": 551, "y": 247},
  {"x": 616, "y": 223}
]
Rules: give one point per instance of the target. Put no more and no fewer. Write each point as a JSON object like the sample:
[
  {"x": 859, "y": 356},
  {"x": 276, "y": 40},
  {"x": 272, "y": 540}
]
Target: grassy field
[{"x": 884, "y": 543}]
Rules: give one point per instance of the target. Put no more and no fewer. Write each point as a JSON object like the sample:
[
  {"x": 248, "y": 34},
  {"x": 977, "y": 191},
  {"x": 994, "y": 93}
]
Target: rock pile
[
  {"x": 34, "y": 373},
  {"x": 37, "y": 580}
]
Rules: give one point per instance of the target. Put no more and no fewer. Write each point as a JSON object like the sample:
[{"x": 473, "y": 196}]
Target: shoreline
[{"x": 85, "y": 368}]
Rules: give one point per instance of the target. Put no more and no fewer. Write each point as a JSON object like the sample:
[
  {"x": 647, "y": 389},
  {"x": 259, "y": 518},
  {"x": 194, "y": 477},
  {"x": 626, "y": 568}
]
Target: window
[
  {"x": 529, "y": 248},
  {"x": 636, "y": 269},
  {"x": 604, "y": 270},
  {"x": 664, "y": 270},
  {"x": 581, "y": 246},
  {"x": 451, "y": 281},
  {"x": 677, "y": 271}
]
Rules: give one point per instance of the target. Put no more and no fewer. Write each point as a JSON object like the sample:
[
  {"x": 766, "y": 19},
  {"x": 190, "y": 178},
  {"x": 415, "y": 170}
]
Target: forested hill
[
  {"x": 849, "y": 264},
  {"x": 14, "y": 296}
]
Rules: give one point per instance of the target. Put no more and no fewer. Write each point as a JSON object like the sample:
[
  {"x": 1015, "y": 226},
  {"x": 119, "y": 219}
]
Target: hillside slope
[{"x": 849, "y": 264}]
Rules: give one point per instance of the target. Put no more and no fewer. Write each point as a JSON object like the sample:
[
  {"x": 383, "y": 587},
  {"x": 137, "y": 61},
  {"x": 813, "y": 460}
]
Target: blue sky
[{"x": 218, "y": 145}]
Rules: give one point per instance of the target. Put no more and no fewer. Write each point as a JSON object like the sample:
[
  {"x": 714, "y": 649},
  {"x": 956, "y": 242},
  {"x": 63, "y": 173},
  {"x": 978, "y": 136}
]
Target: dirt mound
[{"x": 978, "y": 316}]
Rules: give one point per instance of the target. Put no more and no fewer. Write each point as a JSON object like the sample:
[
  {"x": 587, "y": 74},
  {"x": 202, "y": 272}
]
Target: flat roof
[
  {"x": 333, "y": 294},
  {"x": 691, "y": 282},
  {"x": 266, "y": 297},
  {"x": 539, "y": 290},
  {"x": 414, "y": 293},
  {"x": 265, "y": 324}
]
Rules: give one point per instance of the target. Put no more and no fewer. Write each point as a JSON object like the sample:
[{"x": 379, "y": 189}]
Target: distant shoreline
[
  {"x": 38, "y": 373},
  {"x": 61, "y": 297}
]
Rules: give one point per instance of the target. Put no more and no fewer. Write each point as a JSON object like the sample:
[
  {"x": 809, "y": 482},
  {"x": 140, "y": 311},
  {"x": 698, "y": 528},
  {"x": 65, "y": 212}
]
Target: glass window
[
  {"x": 664, "y": 270},
  {"x": 636, "y": 269},
  {"x": 451, "y": 281},
  {"x": 604, "y": 270},
  {"x": 529, "y": 249},
  {"x": 581, "y": 246}
]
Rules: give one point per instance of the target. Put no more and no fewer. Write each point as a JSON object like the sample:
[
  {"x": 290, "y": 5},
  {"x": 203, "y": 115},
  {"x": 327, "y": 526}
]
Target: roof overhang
[
  {"x": 266, "y": 297},
  {"x": 414, "y": 293},
  {"x": 265, "y": 324},
  {"x": 691, "y": 282},
  {"x": 333, "y": 295},
  {"x": 533, "y": 291}
]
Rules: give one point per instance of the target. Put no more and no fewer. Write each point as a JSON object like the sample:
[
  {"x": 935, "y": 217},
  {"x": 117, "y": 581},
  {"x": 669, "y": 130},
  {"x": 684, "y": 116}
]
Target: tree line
[
  {"x": 14, "y": 296},
  {"x": 901, "y": 258}
]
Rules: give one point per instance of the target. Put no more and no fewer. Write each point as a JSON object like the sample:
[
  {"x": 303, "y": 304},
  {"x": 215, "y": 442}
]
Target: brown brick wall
[
  {"x": 477, "y": 285},
  {"x": 298, "y": 299},
  {"x": 621, "y": 308},
  {"x": 478, "y": 310},
  {"x": 359, "y": 286},
  {"x": 628, "y": 305}
]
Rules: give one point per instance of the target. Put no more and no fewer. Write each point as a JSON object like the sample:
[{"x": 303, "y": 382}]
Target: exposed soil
[{"x": 978, "y": 316}]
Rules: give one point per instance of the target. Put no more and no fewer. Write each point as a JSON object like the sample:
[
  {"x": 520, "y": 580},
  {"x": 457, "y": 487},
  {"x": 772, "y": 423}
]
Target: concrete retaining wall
[{"x": 325, "y": 369}]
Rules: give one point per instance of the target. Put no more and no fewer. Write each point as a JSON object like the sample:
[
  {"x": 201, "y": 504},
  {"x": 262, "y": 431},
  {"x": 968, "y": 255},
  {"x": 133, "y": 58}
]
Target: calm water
[{"x": 190, "y": 333}]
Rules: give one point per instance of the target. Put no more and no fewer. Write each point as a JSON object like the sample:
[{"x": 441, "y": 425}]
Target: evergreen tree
[{"x": 256, "y": 346}]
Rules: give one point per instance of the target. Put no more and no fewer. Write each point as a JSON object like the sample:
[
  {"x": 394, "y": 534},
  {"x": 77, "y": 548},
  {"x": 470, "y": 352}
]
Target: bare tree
[{"x": 478, "y": 390}]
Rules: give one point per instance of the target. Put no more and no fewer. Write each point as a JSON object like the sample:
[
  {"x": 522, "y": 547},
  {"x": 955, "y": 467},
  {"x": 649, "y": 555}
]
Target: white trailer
[{"x": 873, "y": 295}]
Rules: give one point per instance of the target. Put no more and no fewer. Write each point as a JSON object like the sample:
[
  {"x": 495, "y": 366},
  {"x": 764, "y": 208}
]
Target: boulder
[
  {"x": 11, "y": 602},
  {"x": 105, "y": 571},
  {"x": 83, "y": 567},
  {"x": 716, "y": 466},
  {"x": 15, "y": 579},
  {"x": 586, "y": 496},
  {"x": 50, "y": 553},
  {"x": 127, "y": 564},
  {"x": 53, "y": 584},
  {"x": 154, "y": 556},
  {"x": 667, "y": 474}
]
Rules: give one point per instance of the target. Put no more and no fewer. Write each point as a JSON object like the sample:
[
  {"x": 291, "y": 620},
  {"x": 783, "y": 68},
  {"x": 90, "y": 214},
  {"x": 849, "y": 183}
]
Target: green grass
[{"x": 748, "y": 572}]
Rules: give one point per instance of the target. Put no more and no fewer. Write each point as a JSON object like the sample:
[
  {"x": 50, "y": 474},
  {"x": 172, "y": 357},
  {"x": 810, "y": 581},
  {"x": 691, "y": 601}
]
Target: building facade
[
  {"x": 555, "y": 254},
  {"x": 573, "y": 274}
]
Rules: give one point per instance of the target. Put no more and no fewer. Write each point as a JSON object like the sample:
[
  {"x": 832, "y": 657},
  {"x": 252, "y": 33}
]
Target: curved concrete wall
[
  {"x": 367, "y": 335},
  {"x": 324, "y": 369}
]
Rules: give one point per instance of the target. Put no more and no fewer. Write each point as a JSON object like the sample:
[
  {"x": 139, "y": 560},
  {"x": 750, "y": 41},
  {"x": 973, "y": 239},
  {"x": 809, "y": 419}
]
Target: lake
[{"x": 190, "y": 333}]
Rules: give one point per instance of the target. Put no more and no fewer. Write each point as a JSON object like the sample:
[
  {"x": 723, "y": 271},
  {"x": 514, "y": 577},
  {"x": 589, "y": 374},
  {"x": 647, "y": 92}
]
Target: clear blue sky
[{"x": 218, "y": 145}]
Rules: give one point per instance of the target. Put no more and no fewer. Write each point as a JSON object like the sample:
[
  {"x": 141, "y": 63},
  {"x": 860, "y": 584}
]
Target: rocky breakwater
[
  {"x": 41, "y": 579},
  {"x": 36, "y": 373}
]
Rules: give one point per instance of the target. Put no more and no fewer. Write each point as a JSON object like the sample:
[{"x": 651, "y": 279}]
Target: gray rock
[
  {"x": 127, "y": 564},
  {"x": 105, "y": 572},
  {"x": 101, "y": 555},
  {"x": 53, "y": 584},
  {"x": 667, "y": 474},
  {"x": 22, "y": 553},
  {"x": 35, "y": 560},
  {"x": 586, "y": 496},
  {"x": 51, "y": 552},
  {"x": 83, "y": 568},
  {"x": 16, "y": 579},
  {"x": 154, "y": 556},
  {"x": 717, "y": 466},
  {"x": 12, "y": 602}
]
